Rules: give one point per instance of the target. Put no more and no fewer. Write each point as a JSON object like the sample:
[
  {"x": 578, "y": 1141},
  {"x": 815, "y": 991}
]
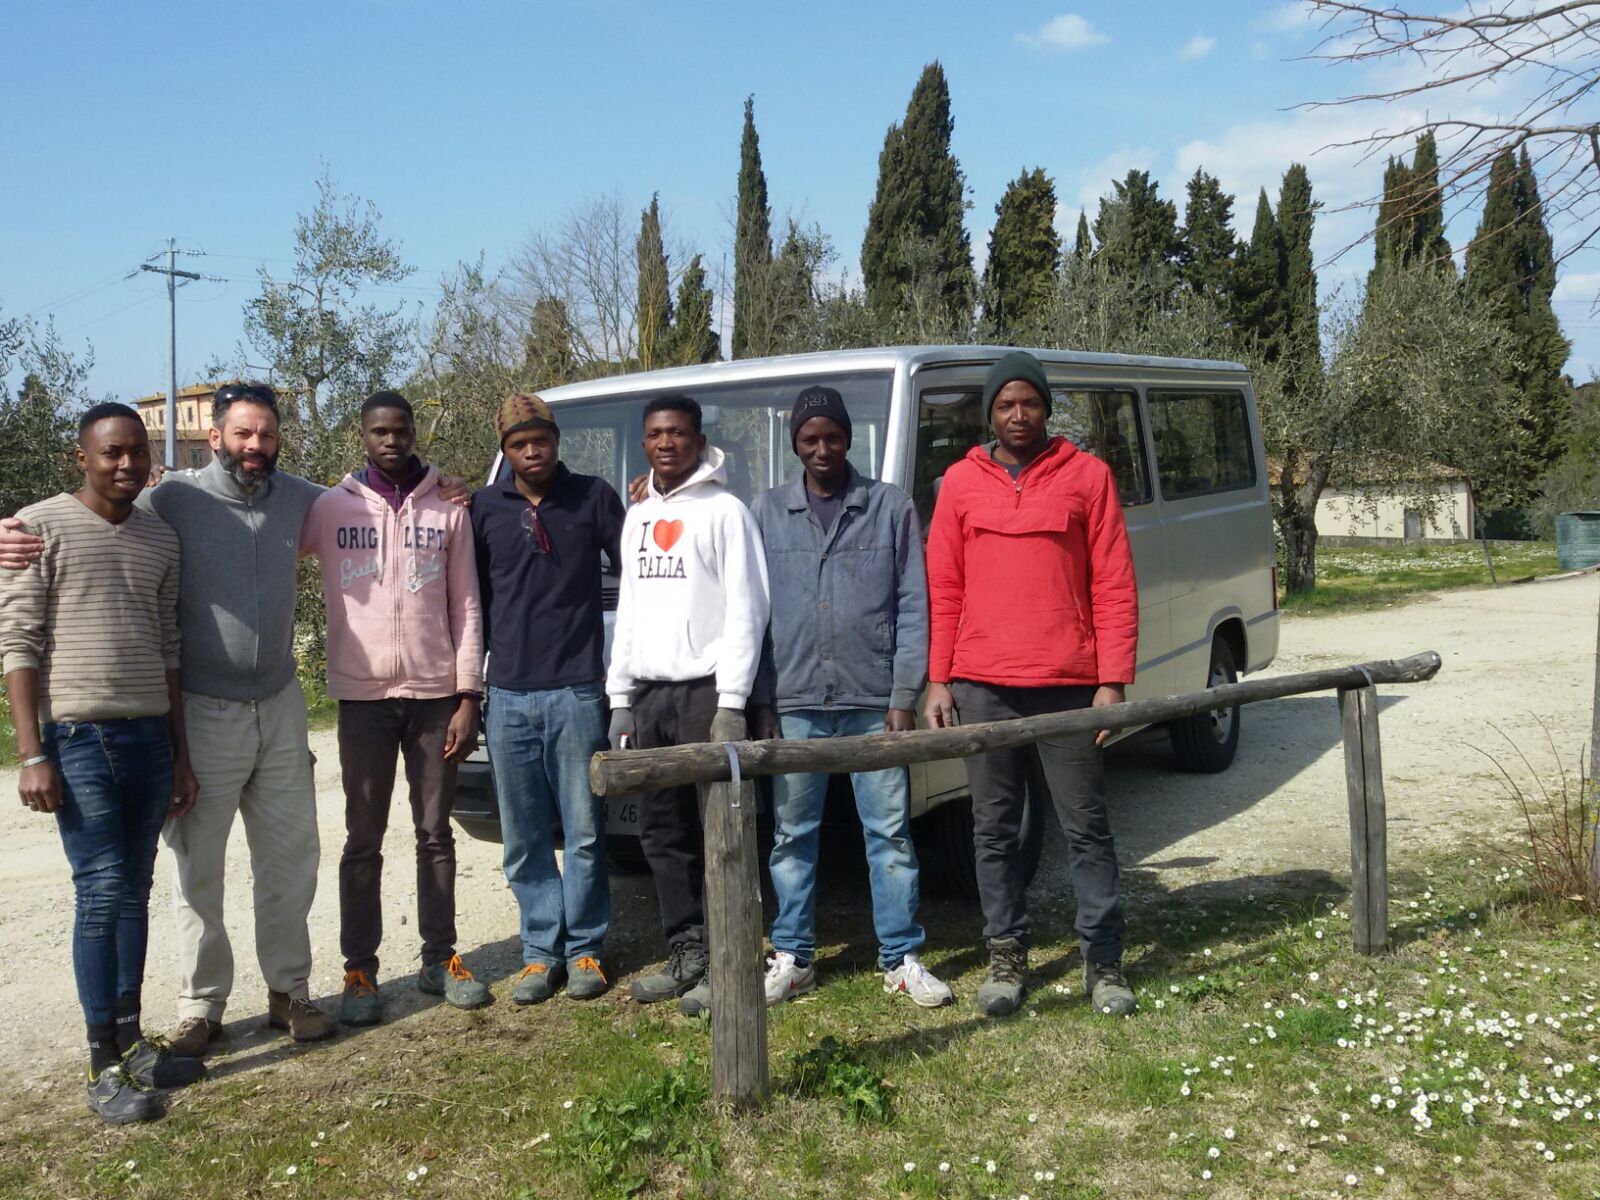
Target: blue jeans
[
  {"x": 883, "y": 799},
  {"x": 116, "y": 786},
  {"x": 540, "y": 744}
]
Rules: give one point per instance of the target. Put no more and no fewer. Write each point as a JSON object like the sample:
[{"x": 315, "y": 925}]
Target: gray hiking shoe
[
  {"x": 696, "y": 1002},
  {"x": 684, "y": 969},
  {"x": 538, "y": 982},
  {"x": 1108, "y": 991},
  {"x": 454, "y": 982},
  {"x": 117, "y": 1100},
  {"x": 1002, "y": 990},
  {"x": 360, "y": 1004},
  {"x": 150, "y": 1063},
  {"x": 586, "y": 979}
]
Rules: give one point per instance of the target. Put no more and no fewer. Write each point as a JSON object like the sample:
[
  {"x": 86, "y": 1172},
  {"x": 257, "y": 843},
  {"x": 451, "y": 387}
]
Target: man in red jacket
[{"x": 1033, "y": 609}]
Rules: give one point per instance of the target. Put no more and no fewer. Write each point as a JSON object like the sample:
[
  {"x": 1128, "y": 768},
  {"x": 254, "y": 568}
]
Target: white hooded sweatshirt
[{"x": 693, "y": 597}]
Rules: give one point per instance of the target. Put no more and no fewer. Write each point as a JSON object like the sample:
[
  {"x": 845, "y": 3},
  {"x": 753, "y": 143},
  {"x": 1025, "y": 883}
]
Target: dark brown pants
[{"x": 372, "y": 734}]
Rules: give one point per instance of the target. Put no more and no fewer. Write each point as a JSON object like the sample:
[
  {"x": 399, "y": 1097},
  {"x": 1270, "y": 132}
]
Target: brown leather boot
[
  {"x": 193, "y": 1037},
  {"x": 303, "y": 1019}
]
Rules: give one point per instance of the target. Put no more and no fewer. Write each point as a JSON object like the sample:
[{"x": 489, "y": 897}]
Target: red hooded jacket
[{"x": 1030, "y": 582}]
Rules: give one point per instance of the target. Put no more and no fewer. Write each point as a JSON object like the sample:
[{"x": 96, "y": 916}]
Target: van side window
[
  {"x": 1106, "y": 424},
  {"x": 1202, "y": 442}
]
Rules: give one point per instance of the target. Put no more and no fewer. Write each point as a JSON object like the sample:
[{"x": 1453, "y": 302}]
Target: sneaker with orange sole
[{"x": 454, "y": 982}]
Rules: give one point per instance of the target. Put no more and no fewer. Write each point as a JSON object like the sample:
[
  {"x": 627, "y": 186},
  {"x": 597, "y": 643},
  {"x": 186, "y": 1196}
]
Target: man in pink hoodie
[{"x": 405, "y": 662}]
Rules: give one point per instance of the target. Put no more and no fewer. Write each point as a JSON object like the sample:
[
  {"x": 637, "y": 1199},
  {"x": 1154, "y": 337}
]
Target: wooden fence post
[
  {"x": 733, "y": 935},
  {"x": 1369, "y": 852}
]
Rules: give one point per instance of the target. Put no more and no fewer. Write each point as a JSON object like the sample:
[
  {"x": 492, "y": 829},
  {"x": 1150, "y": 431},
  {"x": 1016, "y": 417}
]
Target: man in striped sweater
[{"x": 89, "y": 635}]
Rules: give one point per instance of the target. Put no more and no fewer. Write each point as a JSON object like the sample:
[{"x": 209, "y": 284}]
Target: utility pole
[{"x": 173, "y": 275}]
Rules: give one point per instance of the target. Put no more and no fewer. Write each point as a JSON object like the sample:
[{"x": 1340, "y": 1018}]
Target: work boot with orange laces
[
  {"x": 454, "y": 982},
  {"x": 586, "y": 979},
  {"x": 360, "y": 1004},
  {"x": 538, "y": 982}
]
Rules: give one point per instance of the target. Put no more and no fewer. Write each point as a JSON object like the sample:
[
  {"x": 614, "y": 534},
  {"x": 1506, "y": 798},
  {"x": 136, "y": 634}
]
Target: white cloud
[
  {"x": 1197, "y": 47},
  {"x": 1292, "y": 17},
  {"x": 1069, "y": 31}
]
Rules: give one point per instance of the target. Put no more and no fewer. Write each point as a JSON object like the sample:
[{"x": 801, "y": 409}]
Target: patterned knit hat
[{"x": 523, "y": 411}]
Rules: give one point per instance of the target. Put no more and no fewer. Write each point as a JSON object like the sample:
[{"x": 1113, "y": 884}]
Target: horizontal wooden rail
[{"x": 615, "y": 772}]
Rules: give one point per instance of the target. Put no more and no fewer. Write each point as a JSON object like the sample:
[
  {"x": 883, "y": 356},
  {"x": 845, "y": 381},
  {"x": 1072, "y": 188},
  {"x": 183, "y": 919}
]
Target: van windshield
[{"x": 748, "y": 421}]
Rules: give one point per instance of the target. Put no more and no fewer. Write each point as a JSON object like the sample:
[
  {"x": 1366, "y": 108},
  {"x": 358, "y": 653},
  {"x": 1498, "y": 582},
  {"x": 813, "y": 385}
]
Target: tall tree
[
  {"x": 1083, "y": 244},
  {"x": 1207, "y": 244},
  {"x": 1300, "y": 378},
  {"x": 1136, "y": 229},
  {"x": 1511, "y": 275},
  {"x": 693, "y": 339},
  {"x": 752, "y": 238},
  {"x": 1256, "y": 300},
  {"x": 312, "y": 327},
  {"x": 654, "y": 313},
  {"x": 1024, "y": 251},
  {"x": 915, "y": 226},
  {"x": 1410, "y": 227},
  {"x": 1302, "y": 338}
]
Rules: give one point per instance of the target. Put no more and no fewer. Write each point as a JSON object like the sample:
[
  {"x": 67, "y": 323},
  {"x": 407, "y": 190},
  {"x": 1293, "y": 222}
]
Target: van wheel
[
  {"x": 1207, "y": 742},
  {"x": 944, "y": 841}
]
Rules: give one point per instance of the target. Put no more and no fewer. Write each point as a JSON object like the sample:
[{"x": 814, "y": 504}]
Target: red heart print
[{"x": 667, "y": 533}]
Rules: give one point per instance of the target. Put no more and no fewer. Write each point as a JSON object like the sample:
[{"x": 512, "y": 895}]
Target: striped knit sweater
[{"x": 97, "y": 615}]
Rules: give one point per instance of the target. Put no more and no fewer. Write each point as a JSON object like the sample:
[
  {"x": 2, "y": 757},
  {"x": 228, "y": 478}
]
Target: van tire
[
  {"x": 1206, "y": 742},
  {"x": 944, "y": 844}
]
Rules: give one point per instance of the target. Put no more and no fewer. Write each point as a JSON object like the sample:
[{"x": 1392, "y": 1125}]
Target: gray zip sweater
[{"x": 237, "y": 587}]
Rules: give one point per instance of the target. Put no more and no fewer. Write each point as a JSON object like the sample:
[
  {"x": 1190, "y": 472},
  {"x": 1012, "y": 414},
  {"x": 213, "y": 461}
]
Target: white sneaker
[
  {"x": 786, "y": 979},
  {"x": 916, "y": 981}
]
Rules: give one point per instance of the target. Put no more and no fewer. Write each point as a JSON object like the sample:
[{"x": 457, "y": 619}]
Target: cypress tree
[
  {"x": 693, "y": 339},
  {"x": 654, "y": 314},
  {"x": 920, "y": 198},
  {"x": 1083, "y": 245},
  {"x": 1426, "y": 206},
  {"x": 1511, "y": 274},
  {"x": 1257, "y": 301},
  {"x": 752, "y": 238},
  {"x": 1137, "y": 230},
  {"x": 1410, "y": 226},
  {"x": 1024, "y": 251},
  {"x": 1302, "y": 335},
  {"x": 1206, "y": 242}
]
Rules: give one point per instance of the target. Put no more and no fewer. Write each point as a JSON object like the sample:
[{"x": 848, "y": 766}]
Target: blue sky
[{"x": 472, "y": 124}]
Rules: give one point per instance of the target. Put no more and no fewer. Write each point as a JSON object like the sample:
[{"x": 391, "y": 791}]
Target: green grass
[
  {"x": 1262, "y": 1035},
  {"x": 1352, "y": 578}
]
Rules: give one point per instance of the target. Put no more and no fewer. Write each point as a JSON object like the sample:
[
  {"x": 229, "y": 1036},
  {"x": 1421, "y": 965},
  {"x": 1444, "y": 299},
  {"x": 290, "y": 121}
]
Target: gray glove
[
  {"x": 621, "y": 727},
  {"x": 729, "y": 726}
]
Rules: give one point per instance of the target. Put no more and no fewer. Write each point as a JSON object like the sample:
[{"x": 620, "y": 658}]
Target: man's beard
[{"x": 245, "y": 477}]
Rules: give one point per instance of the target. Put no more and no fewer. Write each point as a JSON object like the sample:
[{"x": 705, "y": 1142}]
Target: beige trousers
[{"x": 251, "y": 758}]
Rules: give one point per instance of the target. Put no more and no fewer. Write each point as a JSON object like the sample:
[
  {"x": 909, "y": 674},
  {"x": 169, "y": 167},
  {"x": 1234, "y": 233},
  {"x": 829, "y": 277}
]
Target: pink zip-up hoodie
[{"x": 401, "y": 589}]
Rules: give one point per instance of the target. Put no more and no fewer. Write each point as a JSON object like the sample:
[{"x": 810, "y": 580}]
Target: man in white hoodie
[{"x": 691, "y": 611}]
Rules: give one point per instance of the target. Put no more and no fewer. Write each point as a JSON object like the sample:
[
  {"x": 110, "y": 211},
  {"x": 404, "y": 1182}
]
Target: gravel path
[{"x": 1517, "y": 661}]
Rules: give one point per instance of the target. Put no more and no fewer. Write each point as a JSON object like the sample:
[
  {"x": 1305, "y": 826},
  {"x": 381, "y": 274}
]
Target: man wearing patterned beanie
[{"x": 540, "y": 532}]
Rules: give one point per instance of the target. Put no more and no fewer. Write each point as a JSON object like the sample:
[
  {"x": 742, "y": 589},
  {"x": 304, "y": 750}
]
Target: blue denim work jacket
[{"x": 849, "y": 624}]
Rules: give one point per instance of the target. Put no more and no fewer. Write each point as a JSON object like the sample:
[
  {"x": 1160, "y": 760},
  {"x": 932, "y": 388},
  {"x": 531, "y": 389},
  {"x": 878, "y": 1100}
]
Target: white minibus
[{"x": 1183, "y": 440}]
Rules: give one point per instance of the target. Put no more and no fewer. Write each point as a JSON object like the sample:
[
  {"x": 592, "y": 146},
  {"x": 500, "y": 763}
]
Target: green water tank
[{"x": 1578, "y": 540}]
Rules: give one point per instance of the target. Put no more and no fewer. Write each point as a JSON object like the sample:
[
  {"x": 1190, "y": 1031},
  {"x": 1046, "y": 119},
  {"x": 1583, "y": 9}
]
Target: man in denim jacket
[{"x": 846, "y": 653}]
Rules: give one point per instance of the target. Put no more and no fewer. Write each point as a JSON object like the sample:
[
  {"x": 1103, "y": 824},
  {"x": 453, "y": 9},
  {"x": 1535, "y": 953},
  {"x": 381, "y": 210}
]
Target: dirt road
[{"x": 1517, "y": 661}]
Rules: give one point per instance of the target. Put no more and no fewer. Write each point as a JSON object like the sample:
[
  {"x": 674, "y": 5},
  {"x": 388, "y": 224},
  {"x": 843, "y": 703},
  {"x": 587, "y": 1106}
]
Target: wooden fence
[{"x": 733, "y": 886}]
